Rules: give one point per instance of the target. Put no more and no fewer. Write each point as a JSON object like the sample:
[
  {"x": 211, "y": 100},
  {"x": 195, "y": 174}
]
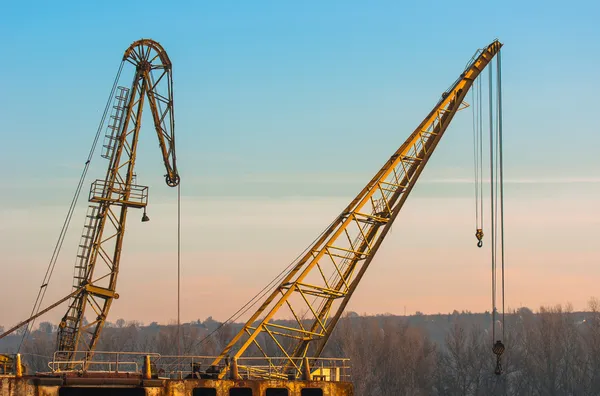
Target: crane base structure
[
  {"x": 136, "y": 374},
  {"x": 124, "y": 386}
]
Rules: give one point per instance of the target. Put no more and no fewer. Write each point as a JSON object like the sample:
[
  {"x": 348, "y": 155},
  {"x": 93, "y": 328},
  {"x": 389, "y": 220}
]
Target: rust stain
[{"x": 26, "y": 386}]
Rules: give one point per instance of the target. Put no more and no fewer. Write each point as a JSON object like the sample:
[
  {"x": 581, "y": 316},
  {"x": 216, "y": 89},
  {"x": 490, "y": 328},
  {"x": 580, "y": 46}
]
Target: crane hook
[
  {"x": 498, "y": 350},
  {"x": 479, "y": 236}
]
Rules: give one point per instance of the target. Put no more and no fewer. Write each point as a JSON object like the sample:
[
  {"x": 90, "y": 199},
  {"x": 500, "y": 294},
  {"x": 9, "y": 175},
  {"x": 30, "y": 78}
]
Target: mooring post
[
  {"x": 147, "y": 368},
  {"x": 18, "y": 366},
  {"x": 233, "y": 369},
  {"x": 305, "y": 369}
]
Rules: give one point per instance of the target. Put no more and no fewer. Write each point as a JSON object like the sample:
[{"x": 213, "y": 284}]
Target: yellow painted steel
[
  {"x": 100, "y": 291},
  {"x": 97, "y": 268},
  {"x": 40, "y": 386},
  {"x": 18, "y": 366},
  {"x": 6, "y": 364},
  {"x": 147, "y": 367},
  {"x": 342, "y": 254}
]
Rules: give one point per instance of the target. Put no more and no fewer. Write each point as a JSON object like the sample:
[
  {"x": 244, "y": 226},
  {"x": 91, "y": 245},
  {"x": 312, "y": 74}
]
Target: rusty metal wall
[{"x": 31, "y": 386}]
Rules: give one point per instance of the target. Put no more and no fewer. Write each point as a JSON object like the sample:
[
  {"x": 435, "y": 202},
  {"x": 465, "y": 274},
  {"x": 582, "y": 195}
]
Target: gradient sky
[{"x": 284, "y": 110}]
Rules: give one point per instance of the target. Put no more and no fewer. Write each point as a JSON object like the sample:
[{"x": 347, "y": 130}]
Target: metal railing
[
  {"x": 7, "y": 364},
  {"x": 180, "y": 367},
  {"x": 324, "y": 369},
  {"x": 11, "y": 364},
  {"x": 137, "y": 196},
  {"x": 101, "y": 361}
]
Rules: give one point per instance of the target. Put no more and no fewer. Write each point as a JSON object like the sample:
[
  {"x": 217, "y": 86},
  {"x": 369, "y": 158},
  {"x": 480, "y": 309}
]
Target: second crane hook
[{"x": 479, "y": 236}]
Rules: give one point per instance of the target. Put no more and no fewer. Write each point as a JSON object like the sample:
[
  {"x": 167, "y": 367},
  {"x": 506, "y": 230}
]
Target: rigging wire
[
  {"x": 497, "y": 208},
  {"x": 475, "y": 154},
  {"x": 492, "y": 201},
  {"x": 57, "y": 248},
  {"x": 480, "y": 101},
  {"x": 501, "y": 174},
  {"x": 262, "y": 293},
  {"x": 478, "y": 160},
  {"x": 179, "y": 269}
]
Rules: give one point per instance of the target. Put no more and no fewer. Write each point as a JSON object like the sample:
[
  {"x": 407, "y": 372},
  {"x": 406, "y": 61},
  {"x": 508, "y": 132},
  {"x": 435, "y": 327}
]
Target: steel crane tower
[
  {"x": 320, "y": 284},
  {"x": 99, "y": 253},
  {"x": 97, "y": 266}
]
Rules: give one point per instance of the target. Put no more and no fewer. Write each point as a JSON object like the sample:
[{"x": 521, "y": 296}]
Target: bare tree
[
  {"x": 553, "y": 351},
  {"x": 388, "y": 356},
  {"x": 38, "y": 350},
  {"x": 47, "y": 327}
]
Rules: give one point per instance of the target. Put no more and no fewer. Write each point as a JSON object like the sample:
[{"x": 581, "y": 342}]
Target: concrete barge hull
[{"x": 82, "y": 386}]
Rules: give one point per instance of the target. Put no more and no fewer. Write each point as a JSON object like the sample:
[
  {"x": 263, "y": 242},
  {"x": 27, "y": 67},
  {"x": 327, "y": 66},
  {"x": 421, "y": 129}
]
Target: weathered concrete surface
[{"x": 40, "y": 386}]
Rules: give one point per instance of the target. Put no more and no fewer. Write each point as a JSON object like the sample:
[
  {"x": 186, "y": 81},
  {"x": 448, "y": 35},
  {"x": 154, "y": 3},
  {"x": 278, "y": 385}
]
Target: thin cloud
[
  {"x": 568, "y": 180},
  {"x": 345, "y": 178}
]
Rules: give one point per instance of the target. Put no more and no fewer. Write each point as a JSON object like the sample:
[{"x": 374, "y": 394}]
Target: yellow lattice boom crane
[
  {"x": 101, "y": 243},
  {"x": 100, "y": 250},
  {"x": 318, "y": 287}
]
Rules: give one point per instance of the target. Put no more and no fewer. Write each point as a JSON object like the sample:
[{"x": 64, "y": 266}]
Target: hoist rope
[
  {"x": 480, "y": 149},
  {"x": 501, "y": 174},
  {"x": 497, "y": 208},
  {"x": 475, "y": 153},
  {"x": 179, "y": 335},
  {"x": 478, "y": 159},
  {"x": 496, "y": 143},
  {"x": 54, "y": 258},
  {"x": 492, "y": 203}
]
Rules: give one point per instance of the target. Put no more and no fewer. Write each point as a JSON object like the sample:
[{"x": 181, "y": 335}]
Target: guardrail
[
  {"x": 324, "y": 369},
  {"x": 109, "y": 362},
  {"x": 11, "y": 364},
  {"x": 137, "y": 196},
  {"x": 185, "y": 366}
]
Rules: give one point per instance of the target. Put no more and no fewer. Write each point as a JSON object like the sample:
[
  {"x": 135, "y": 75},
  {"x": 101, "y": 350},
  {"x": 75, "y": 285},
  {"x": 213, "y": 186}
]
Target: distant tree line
[{"x": 552, "y": 352}]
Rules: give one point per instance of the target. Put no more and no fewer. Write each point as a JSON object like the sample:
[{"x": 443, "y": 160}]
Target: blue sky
[{"x": 295, "y": 106}]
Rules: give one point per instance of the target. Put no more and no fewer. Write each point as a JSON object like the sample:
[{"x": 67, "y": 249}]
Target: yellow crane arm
[
  {"x": 40, "y": 313},
  {"x": 319, "y": 286},
  {"x": 161, "y": 103}
]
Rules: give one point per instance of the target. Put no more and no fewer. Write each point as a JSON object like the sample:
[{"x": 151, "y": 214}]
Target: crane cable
[
  {"x": 54, "y": 258},
  {"x": 261, "y": 294},
  {"x": 497, "y": 207},
  {"x": 501, "y": 174},
  {"x": 179, "y": 335},
  {"x": 478, "y": 159}
]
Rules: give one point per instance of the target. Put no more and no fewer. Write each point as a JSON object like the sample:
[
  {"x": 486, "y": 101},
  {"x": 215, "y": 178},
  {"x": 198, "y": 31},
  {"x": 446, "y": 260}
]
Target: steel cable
[
  {"x": 501, "y": 174},
  {"x": 258, "y": 296},
  {"x": 497, "y": 208},
  {"x": 55, "y": 254},
  {"x": 478, "y": 158},
  {"x": 492, "y": 204},
  {"x": 475, "y": 153},
  {"x": 179, "y": 268}
]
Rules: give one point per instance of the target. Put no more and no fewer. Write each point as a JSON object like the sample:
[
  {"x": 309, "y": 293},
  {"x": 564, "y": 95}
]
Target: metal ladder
[
  {"x": 115, "y": 123},
  {"x": 85, "y": 245}
]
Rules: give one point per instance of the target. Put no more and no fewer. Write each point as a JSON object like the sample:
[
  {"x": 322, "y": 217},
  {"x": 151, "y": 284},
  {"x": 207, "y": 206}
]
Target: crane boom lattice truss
[
  {"x": 319, "y": 286},
  {"x": 97, "y": 265}
]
